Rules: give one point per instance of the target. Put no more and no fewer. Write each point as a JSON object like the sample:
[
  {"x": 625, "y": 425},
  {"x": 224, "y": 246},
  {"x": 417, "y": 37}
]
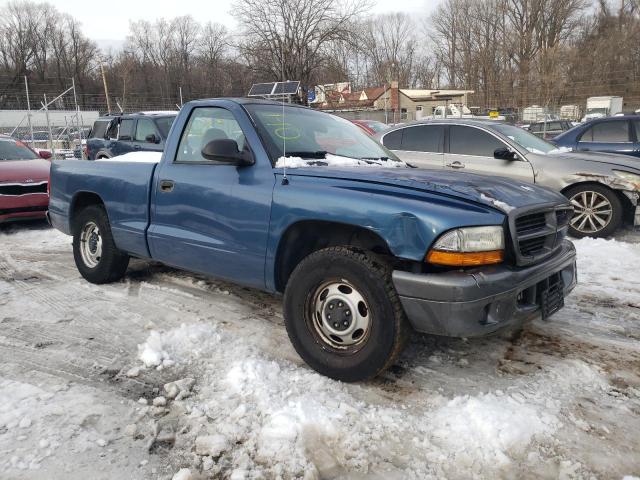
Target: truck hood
[
  {"x": 500, "y": 193},
  {"x": 24, "y": 170},
  {"x": 615, "y": 160}
]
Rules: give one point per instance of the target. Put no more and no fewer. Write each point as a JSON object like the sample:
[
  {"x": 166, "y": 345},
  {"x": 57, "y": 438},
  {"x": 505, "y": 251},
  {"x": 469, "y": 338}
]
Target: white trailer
[
  {"x": 570, "y": 112},
  {"x": 598, "y": 107}
]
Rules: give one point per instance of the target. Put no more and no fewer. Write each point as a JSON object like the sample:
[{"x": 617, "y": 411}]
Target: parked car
[
  {"x": 603, "y": 189},
  {"x": 360, "y": 254},
  {"x": 370, "y": 126},
  {"x": 116, "y": 135},
  {"x": 24, "y": 176},
  {"x": 619, "y": 134},
  {"x": 549, "y": 130}
]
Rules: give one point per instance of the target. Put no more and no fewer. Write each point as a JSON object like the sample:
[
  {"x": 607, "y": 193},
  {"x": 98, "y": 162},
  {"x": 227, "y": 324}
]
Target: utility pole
[
  {"x": 26, "y": 86},
  {"x": 75, "y": 99},
  {"x": 45, "y": 105},
  {"x": 181, "y": 103},
  {"x": 106, "y": 89}
]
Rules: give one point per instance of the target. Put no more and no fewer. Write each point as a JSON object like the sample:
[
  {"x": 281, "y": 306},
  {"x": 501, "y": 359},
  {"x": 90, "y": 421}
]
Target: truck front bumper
[{"x": 480, "y": 301}]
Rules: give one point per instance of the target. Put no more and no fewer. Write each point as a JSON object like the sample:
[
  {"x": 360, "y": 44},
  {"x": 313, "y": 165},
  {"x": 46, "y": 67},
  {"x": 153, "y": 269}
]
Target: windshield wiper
[
  {"x": 308, "y": 154},
  {"x": 374, "y": 158}
]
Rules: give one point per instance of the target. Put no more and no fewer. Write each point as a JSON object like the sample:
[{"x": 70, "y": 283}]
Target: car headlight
[
  {"x": 629, "y": 177},
  {"x": 469, "y": 246}
]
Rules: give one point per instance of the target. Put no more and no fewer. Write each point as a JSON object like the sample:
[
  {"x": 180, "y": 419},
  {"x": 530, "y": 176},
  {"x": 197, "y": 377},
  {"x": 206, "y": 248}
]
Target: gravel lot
[{"x": 83, "y": 367}]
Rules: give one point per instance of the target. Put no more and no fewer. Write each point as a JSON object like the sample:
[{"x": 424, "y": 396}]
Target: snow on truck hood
[{"x": 500, "y": 193}]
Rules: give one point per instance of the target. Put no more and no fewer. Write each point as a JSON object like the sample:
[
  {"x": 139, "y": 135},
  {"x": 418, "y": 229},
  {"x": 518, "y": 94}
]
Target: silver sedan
[{"x": 603, "y": 188}]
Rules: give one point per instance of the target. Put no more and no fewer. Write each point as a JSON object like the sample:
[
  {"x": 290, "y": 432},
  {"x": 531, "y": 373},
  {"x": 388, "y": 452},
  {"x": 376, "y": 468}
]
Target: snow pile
[
  {"x": 338, "y": 161},
  {"x": 179, "y": 344},
  {"x": 135, "y": 157},
  {"x": 275, "y": 418}
]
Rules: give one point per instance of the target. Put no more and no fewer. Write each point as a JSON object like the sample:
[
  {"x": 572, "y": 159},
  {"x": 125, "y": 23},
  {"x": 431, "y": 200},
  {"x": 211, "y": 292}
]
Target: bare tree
[{"x": 292, "y": 37}]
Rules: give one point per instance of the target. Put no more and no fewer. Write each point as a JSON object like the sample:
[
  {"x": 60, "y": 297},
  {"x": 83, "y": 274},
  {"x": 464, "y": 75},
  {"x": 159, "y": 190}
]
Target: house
[{"x": 400, "y": 103}]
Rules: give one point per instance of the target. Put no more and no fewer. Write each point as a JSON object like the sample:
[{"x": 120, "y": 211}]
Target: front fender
[{"x": 408, "y": 221}]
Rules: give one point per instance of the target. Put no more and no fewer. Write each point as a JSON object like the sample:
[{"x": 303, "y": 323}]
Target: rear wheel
[
  {"x": 343, "y": 314},
  {"x": 597, "y": 211},
  {"x": 94, "y": 251}
]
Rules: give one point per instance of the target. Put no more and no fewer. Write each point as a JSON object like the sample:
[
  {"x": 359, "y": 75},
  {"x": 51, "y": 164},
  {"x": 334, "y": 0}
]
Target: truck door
[
  {"x": 470, "y": 149},
  {"x": 209, "y": 217}
]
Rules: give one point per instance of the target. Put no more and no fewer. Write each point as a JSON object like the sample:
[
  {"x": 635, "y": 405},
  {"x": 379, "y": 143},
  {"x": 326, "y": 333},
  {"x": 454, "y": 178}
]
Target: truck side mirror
[
  {"x": 151, "y": 138},
  {"x": 44, "y": 154},
  {"x": 226, "y": 151},
  {"x": 504, "y": 153}
]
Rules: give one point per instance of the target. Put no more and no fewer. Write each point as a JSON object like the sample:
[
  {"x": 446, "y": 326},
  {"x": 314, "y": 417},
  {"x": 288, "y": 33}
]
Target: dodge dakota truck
[{"x": 297, "y": 202}]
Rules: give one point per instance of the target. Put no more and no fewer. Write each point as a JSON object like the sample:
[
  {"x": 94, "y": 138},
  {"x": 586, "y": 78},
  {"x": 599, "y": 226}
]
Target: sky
[{"x": 108, "y": 22}]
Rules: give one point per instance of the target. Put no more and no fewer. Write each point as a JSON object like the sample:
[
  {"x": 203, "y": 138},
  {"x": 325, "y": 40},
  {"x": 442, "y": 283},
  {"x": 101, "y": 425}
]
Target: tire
[
  {"x": 606, "y": 219},
  {"x": 94, "y": 251},
  {"x": 345, "y": 278}
]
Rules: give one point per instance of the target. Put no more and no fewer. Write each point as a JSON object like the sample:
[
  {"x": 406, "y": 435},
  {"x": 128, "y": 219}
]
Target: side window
[
  {"x": 145, "y": 128},
  {"x": 472, "y": 141},
  {"x": 112, "y": 130},
  {"x": 393, "y": 140},
  {"x": 126, "y": 129},
  {"x": 99, "y": 129},
  {"x": 637, "y": 124},
  {"x": 535, "y": 127},
  {"x": 205, "y": 125},
  {"x": 605, "y": 132},
  {"x": 423, "y": 138}
]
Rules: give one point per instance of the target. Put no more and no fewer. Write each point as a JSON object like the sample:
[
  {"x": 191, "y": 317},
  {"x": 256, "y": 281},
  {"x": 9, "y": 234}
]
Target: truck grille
[
  {"x": 16, "y": 189},
  {"x": 537, "y": 234}
]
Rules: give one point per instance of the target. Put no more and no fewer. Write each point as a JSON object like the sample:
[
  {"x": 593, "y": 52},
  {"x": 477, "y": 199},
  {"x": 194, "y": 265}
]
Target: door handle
[
  {"x": 166, "y": 185},
  {"x": 455, "y": 164},
  {"x": 137, "y": 147}
]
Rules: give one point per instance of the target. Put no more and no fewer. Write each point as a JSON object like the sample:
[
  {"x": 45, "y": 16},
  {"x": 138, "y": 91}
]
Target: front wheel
[
  {"x": 597, "y": 211},
  {"x": 94, "y": 251},
  {"x": 343, "y": 315}
]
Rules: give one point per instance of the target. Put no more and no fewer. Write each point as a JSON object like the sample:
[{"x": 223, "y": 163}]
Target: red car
[
  {"x": 370, "y": 126},
  {"x": 24, "y": 176}
]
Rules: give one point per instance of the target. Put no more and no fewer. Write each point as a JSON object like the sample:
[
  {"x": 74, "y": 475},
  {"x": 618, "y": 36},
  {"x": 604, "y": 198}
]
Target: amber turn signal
[{"x": 465, "y": 259}]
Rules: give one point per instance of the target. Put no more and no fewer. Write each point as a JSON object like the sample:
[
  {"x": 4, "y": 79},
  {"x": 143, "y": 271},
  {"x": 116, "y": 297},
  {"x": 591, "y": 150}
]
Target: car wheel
[
  {"x": 343, "y": 315},
  {"x": 94, "y": 251},
  {"x": 597, "y": 211}
]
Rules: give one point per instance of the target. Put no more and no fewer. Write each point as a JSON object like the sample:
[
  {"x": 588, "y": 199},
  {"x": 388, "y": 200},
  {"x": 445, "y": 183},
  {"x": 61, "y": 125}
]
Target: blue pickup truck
[{"x": 363, "y": 247}]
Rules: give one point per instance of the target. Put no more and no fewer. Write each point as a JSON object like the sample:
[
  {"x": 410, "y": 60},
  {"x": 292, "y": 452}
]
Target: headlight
[
  {"x": 628, "y": 176},
  {"x": 469, "y": 246}
]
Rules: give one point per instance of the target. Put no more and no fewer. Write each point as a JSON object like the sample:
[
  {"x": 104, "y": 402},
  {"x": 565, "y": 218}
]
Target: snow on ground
[{"x": 168, "y": 373}]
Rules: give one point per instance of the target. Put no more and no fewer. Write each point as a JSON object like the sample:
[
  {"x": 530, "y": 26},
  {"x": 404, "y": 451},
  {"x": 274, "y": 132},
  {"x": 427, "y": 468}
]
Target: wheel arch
[
  {"x": 302, "y": 238},
  {"x": 627, "y": 207},
  {"x": 80, "y": 201}
]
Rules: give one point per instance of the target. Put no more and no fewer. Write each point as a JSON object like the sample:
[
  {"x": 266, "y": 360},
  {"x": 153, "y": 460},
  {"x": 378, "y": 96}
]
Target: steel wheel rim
[
  {"x": 90, "y": 245},
  {"x": 340, "y": 316},
  {"x": 592, "y": 211}
]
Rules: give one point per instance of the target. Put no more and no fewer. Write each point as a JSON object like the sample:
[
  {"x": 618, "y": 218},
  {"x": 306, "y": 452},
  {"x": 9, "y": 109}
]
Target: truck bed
[{"x": 124, "y": 188}]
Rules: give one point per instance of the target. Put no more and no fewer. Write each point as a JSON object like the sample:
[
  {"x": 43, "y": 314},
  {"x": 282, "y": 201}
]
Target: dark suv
[{"x": 116, "y": 135}]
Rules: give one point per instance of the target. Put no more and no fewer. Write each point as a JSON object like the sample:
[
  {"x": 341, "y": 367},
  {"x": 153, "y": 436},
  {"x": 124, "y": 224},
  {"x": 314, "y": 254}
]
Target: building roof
[{"x": 375, "y": 92}]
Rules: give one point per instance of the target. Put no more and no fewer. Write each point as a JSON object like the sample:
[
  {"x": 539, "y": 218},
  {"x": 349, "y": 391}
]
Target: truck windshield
[
  {"x": 11, "y": 149},
  {"x": 299, "y": 130},
  {"x": 524, "y": 139}
]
